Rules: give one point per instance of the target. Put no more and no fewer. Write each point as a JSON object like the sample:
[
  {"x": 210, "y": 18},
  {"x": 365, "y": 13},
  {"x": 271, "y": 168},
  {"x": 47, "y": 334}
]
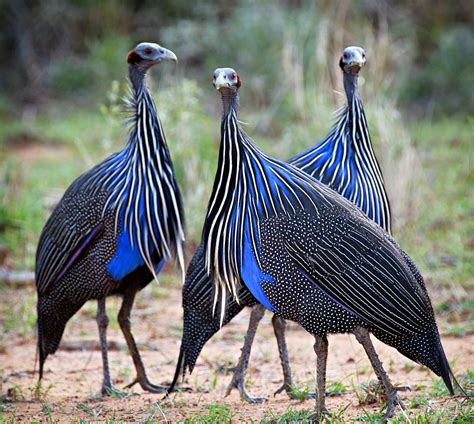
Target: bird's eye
[
  {"x": 363, "y": 54},
  {"x": 345, "y": 56},
  {"x": 234, "y": 76},
  {"x": 148, "y": 51},
  {"x": 214, "y": 77}
]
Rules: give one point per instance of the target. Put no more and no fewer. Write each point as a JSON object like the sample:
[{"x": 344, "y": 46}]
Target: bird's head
[
  {"x": 226, "y": 80},
  {"x": 145, "y": 55},
  {"x": 352, "y": 60}
]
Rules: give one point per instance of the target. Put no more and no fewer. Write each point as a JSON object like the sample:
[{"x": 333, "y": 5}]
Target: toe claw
[
  {"x": 147, "y": 386},
  {"x": 403, "y": 388},
  {"x": 281, "y": 389},
  {"x": 128, "y": 386},
  {"x": 392, "y": 401},
  {"x": 111, "y": 391},
  {"x": 318, "y": 416},
  {"x": 238, "y": 383}
]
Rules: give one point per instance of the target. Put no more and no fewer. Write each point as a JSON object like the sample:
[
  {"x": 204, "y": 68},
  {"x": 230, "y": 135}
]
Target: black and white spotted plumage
[
  {"x": 116, "y": 224},
  {"x": 318, "y": 259},
  {"x": 344, "y": 160}
]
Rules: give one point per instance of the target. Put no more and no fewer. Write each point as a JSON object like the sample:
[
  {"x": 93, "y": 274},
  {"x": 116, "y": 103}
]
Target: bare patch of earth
[{"x": 73, "y": 377}]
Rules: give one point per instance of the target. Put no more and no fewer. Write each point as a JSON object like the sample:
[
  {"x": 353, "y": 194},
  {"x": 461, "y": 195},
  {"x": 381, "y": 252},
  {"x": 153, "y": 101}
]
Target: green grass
[
  {"x": 300, "y": 392},
  {"x": 440, "y": 240},
  {"x": 216, "y": 413},
  {"x": 335, "y": 388},
  {"x": 290, "y": 416},
  {"x": 433, "y": 222}
]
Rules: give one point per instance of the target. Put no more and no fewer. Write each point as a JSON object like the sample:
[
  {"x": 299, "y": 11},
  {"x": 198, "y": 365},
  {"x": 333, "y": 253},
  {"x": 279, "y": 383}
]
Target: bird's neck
[
  {"x": 351, "y": 87},
  {"x": 137, "y": 78},
  {"x": 230, "y": 103},
  {"x": 147, "y": 136},
  {"x": 363, "y": 153},
  {"x": 144, "y": 192}
]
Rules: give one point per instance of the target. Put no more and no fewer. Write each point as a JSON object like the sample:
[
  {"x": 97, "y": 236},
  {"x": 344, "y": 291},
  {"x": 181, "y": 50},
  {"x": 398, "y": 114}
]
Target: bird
[
  {"x": 114, "y": 228},
  {"x": 345, "y": 161},
  {"x": 311, "y": 256}
]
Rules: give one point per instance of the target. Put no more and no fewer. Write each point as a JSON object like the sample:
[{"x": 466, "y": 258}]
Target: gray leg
[
  {"x": 321, "y": 350},
  {"x": 102, "y": 323},
  {"x": 124, "y": 321},
  {"x": 363, "y": 337},
  {"x": 279, "y": 325},
  {"x": 241, "y": 369}
]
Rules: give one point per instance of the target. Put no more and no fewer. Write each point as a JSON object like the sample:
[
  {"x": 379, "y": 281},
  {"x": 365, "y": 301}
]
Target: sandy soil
[{"x": 75, "y": 375}]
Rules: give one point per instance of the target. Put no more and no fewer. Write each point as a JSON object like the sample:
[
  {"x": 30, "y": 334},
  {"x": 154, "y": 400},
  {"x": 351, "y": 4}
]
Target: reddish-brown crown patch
[{"x": 133, "y": 57}]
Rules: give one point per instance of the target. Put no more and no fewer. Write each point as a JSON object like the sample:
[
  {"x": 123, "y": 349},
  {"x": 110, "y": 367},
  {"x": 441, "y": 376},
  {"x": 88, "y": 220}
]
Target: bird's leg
[
  {"x": 279, "y": 325},
  {"x": 321, "y": 350},
  {"x": 363, "y": 337},
  {"x": 240, "y": 370},
  {"x": 102, "y": 323},
  {"x": 124, "y": 321}
]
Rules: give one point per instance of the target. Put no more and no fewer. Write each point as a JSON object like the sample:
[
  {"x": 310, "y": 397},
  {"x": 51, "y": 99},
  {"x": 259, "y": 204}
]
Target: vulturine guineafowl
[
  {"x": 114, "y": 228},
  {"x": 311, "y": 256},
  {"x": 346, "y": 162}
]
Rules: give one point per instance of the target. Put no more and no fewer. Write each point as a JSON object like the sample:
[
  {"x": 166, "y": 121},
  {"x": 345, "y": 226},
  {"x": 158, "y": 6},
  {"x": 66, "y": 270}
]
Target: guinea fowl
[
  {"x": 345, "y": 161},
  {"x": 114, "y": 228},
  {"x": 311, "y": 256}
]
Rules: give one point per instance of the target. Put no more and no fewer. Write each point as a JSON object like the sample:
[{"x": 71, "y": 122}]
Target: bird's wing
[
  {"x": 362, "y": 269},
  {"x": 72, "y": 227}
]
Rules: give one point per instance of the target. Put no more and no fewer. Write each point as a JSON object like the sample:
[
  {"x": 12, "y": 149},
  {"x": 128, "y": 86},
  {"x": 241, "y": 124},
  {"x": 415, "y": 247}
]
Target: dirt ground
[{"x": 74, "y": 375}]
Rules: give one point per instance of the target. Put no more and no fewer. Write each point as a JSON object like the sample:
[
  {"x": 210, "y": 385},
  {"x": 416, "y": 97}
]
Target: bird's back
[
  {"x": 333, "y": 269},
  {"x": 71, "y": 229}
]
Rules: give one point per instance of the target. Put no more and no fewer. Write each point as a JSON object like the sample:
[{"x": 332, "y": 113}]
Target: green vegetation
[
  {"x": 335, "y": 388},
  {"x": 300, "y": 392},
  {"x": 216, "y": 413},
  {"x": 290, "y": 416},
  {"x": 62, "y": 113}
]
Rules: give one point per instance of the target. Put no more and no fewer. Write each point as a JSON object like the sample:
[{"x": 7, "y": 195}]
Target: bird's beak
[
  {"x": 357, "y": 62},
  {"x": 167, "y": 55},
  {"x": 221, "y": 81},
  {"x": 355, "y": 66}
]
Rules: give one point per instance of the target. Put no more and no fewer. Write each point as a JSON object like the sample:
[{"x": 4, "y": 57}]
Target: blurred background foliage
[
  {"x": 63, "y": 77},
  {"x": 65, "y": 48}
]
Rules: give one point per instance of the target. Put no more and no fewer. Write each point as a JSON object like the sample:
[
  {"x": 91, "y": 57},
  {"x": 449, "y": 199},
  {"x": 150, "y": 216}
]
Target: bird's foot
[
  {"x": 238, "y": 383},
  {"x": 402, "y": 388},
  {"x": 318, "y": 415},
  {"x": 392, "y": 401},
  {"x": 294, "y": 392},
  {"x": 111, "y": 391},
  {"x": 147, "y": 386}
]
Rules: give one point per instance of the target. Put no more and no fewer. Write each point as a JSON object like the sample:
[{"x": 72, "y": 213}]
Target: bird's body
[
  {"x": 115, "y": 226},
  {"x": 309, "y": 255},
  {"x": 344, "y": 161}
]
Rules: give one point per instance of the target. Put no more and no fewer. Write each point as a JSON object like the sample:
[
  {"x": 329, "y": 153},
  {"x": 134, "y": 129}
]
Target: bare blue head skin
[
  {"x": 143, "y": 57},
  {"x": 351, "y": 62},
  {"x": 225, "y": 79},
  {"x": 227, "y": 82}
]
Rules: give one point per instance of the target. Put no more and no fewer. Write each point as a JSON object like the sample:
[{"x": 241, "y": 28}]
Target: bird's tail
[
  {"x": 52, "y": 318},
  {"x": 444, "y": 368},
  {"x": 448, "y": 375},
  {"x": 40, "y": 347},
  {"x": 180, "y": 370},
  {"x": 426, "y": 348}
]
